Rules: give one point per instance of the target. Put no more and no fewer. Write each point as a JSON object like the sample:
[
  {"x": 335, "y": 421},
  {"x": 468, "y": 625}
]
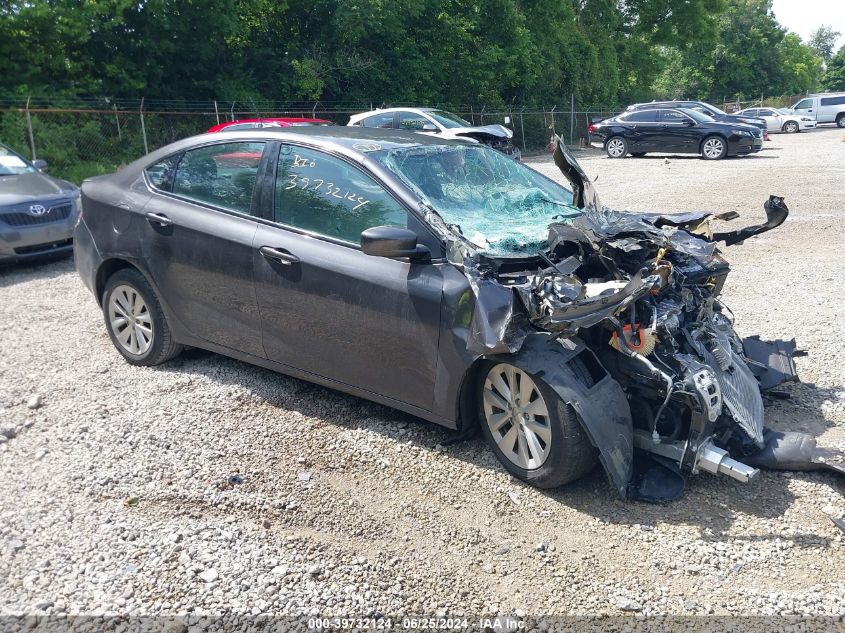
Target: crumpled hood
[
  {"x": 33, "y": 187},
  {"x": 696, "y": 222},
  {"x": 499, "y": 131}
]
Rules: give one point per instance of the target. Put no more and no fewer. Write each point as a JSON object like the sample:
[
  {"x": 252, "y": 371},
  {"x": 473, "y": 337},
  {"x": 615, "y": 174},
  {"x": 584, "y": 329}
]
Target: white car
[
  {"x": 780, "y": 120},
  {"x": 440, "y": 123}
]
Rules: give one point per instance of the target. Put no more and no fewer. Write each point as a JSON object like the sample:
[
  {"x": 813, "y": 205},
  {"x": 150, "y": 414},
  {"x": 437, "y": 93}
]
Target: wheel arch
[
  {"x": 711, "y": 135},
  {"x": 108, "y": 268},
  {"x": 601, "y": 407}
]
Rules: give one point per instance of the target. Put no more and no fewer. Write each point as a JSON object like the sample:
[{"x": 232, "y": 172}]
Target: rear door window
[
  {"x": 379, "y": 120},
  {"x": 323, "y": 194},
  {"x": 220, "y": 175},
  {"x": 642, "y": 116},
  {"x": 672, "y": 116},
  {"x": 412, "y": 121}
]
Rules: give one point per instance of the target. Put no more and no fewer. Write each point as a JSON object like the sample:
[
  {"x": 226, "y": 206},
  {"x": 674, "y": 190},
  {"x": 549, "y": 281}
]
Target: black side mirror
[
  {"x": 393, "y": 241},
  {"x": 40, "y": 164}
]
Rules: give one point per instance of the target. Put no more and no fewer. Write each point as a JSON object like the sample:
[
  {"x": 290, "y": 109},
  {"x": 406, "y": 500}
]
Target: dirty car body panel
[{"x": 619, "y": 314}]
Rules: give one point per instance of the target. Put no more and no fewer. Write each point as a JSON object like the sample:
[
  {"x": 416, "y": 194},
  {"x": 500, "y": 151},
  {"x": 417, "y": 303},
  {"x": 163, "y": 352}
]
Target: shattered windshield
[{"x": 498, "y": 204}]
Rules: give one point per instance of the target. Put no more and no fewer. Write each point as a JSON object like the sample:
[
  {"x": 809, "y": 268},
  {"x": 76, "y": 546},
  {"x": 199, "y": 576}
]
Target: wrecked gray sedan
[{"x": 448, "y": 281}]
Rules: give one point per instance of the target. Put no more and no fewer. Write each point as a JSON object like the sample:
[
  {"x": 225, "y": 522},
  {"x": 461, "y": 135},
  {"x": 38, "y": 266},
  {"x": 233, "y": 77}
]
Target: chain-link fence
[
  {"x": 82, "y": 138},
  {"x": 783, "y": 101}
]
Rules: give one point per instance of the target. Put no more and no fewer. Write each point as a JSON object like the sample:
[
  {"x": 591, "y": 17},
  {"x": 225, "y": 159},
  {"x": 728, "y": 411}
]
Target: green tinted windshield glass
[{"x": 498, "y": 204}]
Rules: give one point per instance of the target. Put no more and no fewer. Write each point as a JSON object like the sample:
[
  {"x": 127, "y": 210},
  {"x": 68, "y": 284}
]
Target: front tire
[
  {"x": 840, "y": 120},
  {"x": 616, "y": 147},
  {"x": 135, "y": 321},
  {"x": 535, "y": 435},
  {"x": 790, "y": 127},
  {"x": 714, "y": 148}
]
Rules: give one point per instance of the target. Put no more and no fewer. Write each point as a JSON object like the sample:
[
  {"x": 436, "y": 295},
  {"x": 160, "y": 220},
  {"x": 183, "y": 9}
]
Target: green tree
[
  {"x": 801, "y": 65},
  {"x": 823, "y": 41},
  {"x": 834, "y": 76}
]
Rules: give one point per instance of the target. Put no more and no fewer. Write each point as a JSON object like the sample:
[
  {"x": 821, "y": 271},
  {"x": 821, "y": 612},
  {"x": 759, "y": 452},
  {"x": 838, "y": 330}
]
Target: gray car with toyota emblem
[{"x": 37, "y": 211}]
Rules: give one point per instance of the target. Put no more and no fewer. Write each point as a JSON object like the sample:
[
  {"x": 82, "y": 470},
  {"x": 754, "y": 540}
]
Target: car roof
[
  {"x": 363, "y": 115},
  {"x": 280, "y": 120},
  {"x": 656, "y": 104},
  {"x": 398, "y": 109},
  {"x": 354, "y": 142}
]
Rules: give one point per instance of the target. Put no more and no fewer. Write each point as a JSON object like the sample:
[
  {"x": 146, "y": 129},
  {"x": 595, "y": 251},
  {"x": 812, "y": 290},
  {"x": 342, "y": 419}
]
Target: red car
[{"x": 249, "y": 124}]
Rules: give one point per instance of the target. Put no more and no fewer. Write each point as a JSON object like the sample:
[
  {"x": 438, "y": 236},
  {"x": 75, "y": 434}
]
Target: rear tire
[
  {"x": 714, "y": 148},
  {"x": 616, "y": 147},
  {"x": 135, "y": 321},
  {"x": 840, "y": 119},
  {"x": 535, "y": 435},
  {"x": 790, "y": 127}
]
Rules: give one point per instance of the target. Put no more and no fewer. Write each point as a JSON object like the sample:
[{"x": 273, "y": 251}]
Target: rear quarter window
[
  {"x": 160, "y": 175},
  {"x": 831, "y": 101}
]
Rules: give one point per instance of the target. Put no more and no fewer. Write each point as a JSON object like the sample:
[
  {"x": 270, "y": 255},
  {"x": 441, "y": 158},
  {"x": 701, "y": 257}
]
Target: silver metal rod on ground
[
  {"x": 29, "y": 126},
  {"x": 216, "y": 113},
  {"x": 117, "y": 122},
  {"x": 143, "y": 128}
]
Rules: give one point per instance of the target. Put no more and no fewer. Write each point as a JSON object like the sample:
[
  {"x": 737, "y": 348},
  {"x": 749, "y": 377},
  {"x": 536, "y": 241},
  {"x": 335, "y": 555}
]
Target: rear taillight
[{"x": 591, "y": 129}]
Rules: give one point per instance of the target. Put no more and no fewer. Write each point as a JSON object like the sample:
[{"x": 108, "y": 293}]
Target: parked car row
[
  {"x": 696, "y": 127},
  {"x": 667, "y": 127}
]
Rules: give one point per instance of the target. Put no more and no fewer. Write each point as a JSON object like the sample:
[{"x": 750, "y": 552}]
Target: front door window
[{"x": 323, "y": 194}]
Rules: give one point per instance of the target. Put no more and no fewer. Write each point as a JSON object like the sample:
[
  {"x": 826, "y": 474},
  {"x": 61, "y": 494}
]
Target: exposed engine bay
[{"x": 672, "y": 390}]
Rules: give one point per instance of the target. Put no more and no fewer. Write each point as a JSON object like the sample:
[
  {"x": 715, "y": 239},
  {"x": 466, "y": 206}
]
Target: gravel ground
[{"x": 208, "y": 486}]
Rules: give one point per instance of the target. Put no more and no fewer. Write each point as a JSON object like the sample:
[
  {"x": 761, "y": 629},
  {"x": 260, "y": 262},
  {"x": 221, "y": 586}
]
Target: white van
[{"x": 824, "y": 108}]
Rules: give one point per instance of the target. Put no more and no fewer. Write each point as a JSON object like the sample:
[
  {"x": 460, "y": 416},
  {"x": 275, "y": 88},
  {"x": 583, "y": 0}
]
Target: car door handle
[
  {"x": 159, "y": 218},
  {"x": 278, "y": 255}
]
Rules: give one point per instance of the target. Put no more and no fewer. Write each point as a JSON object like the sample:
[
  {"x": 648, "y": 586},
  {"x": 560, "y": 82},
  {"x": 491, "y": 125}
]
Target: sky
[{"x": 805, "y": 16}]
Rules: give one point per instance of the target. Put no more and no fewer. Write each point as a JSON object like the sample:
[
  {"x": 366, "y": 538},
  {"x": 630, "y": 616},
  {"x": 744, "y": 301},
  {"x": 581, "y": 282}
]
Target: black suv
[{"x": 706, "y": 108}]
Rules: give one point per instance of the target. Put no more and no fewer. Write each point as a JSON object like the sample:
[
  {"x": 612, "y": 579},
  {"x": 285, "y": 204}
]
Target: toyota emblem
[{"x": 37, "y": 210}]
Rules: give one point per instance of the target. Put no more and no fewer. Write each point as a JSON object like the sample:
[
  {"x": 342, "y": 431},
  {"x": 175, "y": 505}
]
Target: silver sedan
[{"x": 779, "y": 120}]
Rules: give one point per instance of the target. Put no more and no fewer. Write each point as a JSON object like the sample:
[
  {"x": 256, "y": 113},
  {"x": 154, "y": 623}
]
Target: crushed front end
[{"x": 641, "y": 292}]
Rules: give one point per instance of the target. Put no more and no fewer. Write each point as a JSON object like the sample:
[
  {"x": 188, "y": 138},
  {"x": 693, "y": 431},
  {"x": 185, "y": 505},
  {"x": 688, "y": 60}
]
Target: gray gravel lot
[{"x": 116, "y": 488}]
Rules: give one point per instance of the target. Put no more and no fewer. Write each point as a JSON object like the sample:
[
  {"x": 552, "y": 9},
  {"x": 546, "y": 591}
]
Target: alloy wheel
[
  {"x": 616, "y": 147},
  {"x": 130, "y": 320},
  {"x": 791, "y": 126},
  {"x": 517, "y": 416},
  {"x": 713, "y": 148}
]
